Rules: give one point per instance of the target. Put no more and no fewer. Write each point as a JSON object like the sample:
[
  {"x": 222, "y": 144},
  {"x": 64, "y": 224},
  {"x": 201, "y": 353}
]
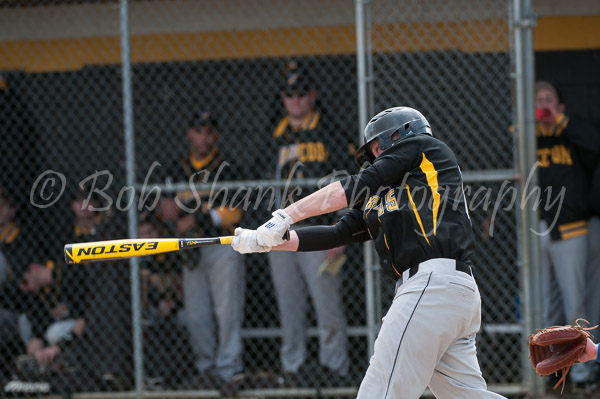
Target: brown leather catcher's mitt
[{"x": 558, "y": 348}]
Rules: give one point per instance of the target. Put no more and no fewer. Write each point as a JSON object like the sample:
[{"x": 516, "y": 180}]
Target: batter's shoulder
[
  {"x": 409, "y": 148},
  {"x": 438, "y": 147}
]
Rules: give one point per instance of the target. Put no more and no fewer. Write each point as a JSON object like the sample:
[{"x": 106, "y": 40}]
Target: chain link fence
[{"x": 215, "y": 87}]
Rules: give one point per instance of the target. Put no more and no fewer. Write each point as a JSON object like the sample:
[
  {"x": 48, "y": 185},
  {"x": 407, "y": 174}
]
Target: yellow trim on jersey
[
  {"x": 281, "y": 126},
  {"x": 310, "y": 122},
  {"x": 200, "y": 163},
  {"x": 388, "y": 248},
  {"x": 414, "y": 207},
  {"x": 572, "y": 225},
  {"x": 576, "y": 233},
  {"x": 561, "y": 123},
  {"x": 315, "y": 120},
  {"x": 432, "y": 179},
  {"x": 574, "y": 229},
  {"x": 556, "y": 130},
  {"x": 9, "y": 233}
]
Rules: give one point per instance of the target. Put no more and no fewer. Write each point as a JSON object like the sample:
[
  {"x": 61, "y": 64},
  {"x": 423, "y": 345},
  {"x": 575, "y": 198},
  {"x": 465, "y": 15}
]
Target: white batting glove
[
  {"x": 271, "y": 233},
  {"x": 244, "y": 242}
]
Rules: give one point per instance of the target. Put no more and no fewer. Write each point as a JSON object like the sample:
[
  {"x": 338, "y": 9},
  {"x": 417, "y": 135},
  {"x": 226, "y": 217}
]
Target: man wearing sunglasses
[{"x": 308, "y": 147}]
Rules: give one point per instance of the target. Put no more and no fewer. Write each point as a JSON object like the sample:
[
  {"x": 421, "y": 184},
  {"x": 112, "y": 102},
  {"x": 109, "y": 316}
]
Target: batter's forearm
[
  {"x": 326, "y": 200},
  {"x": 289, "y": 245}
]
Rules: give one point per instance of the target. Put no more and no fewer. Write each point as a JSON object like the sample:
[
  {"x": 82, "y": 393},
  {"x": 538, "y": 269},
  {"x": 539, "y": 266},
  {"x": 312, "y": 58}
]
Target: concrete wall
[{"x": 102, "y": 19}]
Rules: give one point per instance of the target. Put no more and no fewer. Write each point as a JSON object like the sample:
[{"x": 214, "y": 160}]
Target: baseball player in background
[
  {"x": 213, "y": 279},
  {"x": 410, "y": 201},
  {"x": 567, "y": 151},
  {"x": 303, "y": 138}
]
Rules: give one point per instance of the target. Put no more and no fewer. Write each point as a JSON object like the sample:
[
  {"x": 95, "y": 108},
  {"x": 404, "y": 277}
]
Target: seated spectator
[
  {"x": 54, "y": 298},
  {"x": 162, "y": 302},
  {"x": 15, "y": 249},
  {"x": 13, "y": 239},
  {"x": 10, "y": 342},
  {"x": 108, "y": 336}
]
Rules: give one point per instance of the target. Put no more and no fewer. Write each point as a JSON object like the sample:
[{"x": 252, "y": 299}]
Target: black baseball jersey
[
  {"x": 13, "y": 245},
  {"x": 212, "y": 168},
  {"x": 595, "y": 191},
  {"x": 161, "y": 279},
  {"x": 414, "y": 208},
  {"x": 561, "y": 155},
  {"x": 16, "y": 243},
  {"x": 17, "y": 250},
  {"x": 313, "y": 150},
  {"x": 65, "y": 298}
]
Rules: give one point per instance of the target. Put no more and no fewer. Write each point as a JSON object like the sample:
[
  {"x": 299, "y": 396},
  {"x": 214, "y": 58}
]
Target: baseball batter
[{"x": 410, "y": 201}]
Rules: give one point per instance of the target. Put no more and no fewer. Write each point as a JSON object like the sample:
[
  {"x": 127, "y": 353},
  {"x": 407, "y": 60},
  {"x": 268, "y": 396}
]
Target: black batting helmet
[{"x": 405, "y": 121}]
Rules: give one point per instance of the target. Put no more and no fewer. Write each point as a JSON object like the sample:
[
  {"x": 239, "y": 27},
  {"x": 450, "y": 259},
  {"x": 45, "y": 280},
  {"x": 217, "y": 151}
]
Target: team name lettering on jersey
[
  {"x": 303, "y": 152},
  {"x": 558, "y": 155}
]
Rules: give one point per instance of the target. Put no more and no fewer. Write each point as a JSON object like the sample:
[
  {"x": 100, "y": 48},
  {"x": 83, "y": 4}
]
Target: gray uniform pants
[
  {"x": 293, "y": 273},
  {"x": 592, "y": 290},
  {"x": 564, "y": 267},
  {"x": 9, "y": 326},
  {"x": 11, "y": 323},
  {"x": 593, "y": 276},
  {"x": 214, "y": 291},
  {"x": 427, "y": 338}
]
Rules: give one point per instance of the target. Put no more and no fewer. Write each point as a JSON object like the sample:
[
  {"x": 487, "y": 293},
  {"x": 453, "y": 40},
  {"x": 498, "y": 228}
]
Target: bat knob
[{"x": 69, "y": 254}]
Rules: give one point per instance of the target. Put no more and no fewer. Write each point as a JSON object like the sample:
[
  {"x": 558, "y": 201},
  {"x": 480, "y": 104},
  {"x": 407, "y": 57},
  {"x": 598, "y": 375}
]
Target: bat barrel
[
  {"x": 118, "y": 249},
  {"x": 129, "y": 248}
]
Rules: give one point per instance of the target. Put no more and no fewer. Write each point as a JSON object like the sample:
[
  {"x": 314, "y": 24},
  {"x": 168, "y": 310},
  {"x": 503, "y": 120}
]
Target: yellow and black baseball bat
[{"x": 129, "y": 248}]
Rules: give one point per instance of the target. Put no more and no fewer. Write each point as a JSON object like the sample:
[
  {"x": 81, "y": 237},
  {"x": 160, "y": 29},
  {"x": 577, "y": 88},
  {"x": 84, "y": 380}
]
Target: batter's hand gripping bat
[{"x": 129, "y": 248}]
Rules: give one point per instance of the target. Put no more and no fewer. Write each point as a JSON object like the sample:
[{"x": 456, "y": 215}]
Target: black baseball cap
[
  {"x": 204, "y": 118},
  {"x": 296, "y": 78}
]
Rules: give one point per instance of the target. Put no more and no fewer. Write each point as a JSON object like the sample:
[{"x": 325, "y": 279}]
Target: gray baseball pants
[
  {"x": 293, "y": 274},
  {"x": 593, "y": 276},
  {"x": 564, "y": 266},
  {"x": 214, "y": 292},
  {"x": 427, "y": 338},
  {"x": 592, "y": 290}
]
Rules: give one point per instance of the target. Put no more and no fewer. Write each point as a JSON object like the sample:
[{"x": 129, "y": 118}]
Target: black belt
[{"x": 460, "y": 266}]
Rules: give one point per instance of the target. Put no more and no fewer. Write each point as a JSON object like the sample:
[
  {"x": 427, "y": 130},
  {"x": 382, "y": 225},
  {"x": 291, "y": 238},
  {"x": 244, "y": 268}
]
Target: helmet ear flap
[{"x": 363, "y": 155}]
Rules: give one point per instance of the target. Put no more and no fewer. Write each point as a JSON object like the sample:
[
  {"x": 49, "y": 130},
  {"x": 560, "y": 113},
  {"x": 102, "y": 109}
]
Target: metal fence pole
[
  {"x": 130, "y": 181},
  {"x": 361, "y": 62},
  {"x": 530, "y": 252}
]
